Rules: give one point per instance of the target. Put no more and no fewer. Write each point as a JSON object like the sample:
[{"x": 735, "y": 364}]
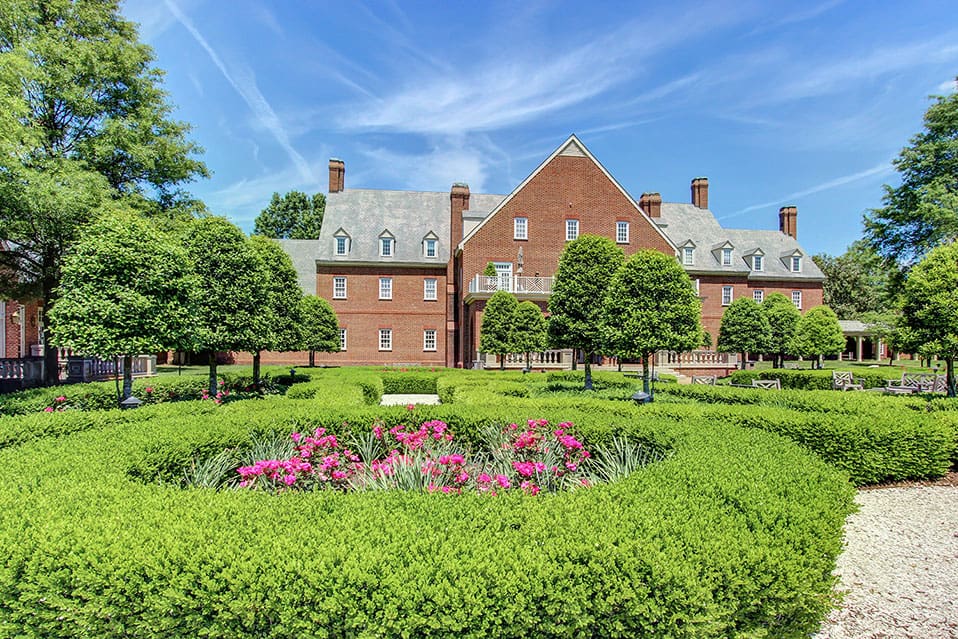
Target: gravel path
[{"x": 899, "y": 567}]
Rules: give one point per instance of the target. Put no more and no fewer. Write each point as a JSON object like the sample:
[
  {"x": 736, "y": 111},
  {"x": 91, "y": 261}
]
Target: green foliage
[
  {"x": 856, "y": 282},
  {"x": 498, "y": 319},
  {"x": 783, "y": 317},
  {"x": 280, "y": 312},
  {"x": 85, "y": 124},
  {"x": 293, "y": 216},
  {"x": 810, "y": 379},
  {"x": 650, "y": 306},
  {"x": 409, "y": 383},
  {"x": 319, "y": 330},
  {"x": 490, "y": 270},
  {"x": 744, "y": 328},
  {"x": 586, "y": 268},
  {"x": 529, "y": 332},
  {"x": 922, "y": 212},
  {"x": 817, "y": 333},
  {"x": 931, "y": 306}
]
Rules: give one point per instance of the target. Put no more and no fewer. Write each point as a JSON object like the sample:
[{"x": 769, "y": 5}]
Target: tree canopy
[
  {"x": 279, "y": 315},
  {"x": 651, "y": 305},
  {"x": 85, "y": 123},
  {"x": 586, "y": 268},
  {"x": 228, "y": 313},
  {"x": 294, "y": 216},
  {"x": 498, "y": 318},
  {"x": 319, "y": 327},
  {"x": 127, "y": 289},
  {"x": 817, "y": 333},
  {"x": 922, "y": 212},
  {"x": 857, "y": 282},
  {"x": 931, "y": 306},
  {"x": 529, "y": 332},
  {"x": 782, "y": 316},
  {"x": 744, "y": 329}
]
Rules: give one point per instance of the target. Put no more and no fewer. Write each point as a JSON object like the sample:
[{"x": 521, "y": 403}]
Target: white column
[{"x": 858, "y": 347}]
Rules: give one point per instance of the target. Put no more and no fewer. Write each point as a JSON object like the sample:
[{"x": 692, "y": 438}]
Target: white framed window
[
  {"x": 429, "y": 339},
  {"x": 342, "y": 245},
  {"x": 430, "y": 247},
  {"x": 758, "y": 295},
  {"x": 339, "y": 288},
  {"x": 797, "y": 299},
  {"x": 622, "y": 232},
  {"x": 385, "y": 288},
  {"x": 386, "y": 246},
  {"x": 726, "y": 295},
  {"x": 385, "y": 339},
  {"x": 342, "y": 339},
  {"x": 429, "y": 289},
  {"x": 520, "y": 228},
  {"x": 757, "y": 263},
  {"x": 698, "y": 286},
  {"x": 726, "y": 257},
  {"x": 571, "y": 230},
  {"x": 796, "y": 264},
  {"x": 688, "y": 256}
]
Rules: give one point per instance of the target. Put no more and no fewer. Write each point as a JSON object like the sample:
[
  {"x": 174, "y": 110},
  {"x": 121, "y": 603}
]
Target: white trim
[
  {"x": 344, "y": 295},
  {"x": 385, "y": 339},
  {"x": 626, "y": 224},
  {"x": 343, "y": 334},
  {"x": 731, "y": 295},
  {"x": 797, "y": 299},
  {"x": 571, "y": 140},
  {"x": 515, "y": 228},
  {"x": 758, "y": 295},
  {"x": 425, "y": 289},
  {"x": 425, "y": 341},
  {"x": 571, "y": 224},
  {"x": 385, "y": 292}
]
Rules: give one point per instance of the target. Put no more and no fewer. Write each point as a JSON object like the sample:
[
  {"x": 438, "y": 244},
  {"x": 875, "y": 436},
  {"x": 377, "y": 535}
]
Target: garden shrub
[
  {"x": 409, "y": 383},
  {"x": 813, "y": 379},
  {"x": 600, "y": 379},
  {"x": 734, "y": 535}
]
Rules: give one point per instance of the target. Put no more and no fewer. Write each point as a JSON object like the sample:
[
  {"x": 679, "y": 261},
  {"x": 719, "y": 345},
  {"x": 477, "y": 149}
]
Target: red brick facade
[{"x": 21, "y": 328}]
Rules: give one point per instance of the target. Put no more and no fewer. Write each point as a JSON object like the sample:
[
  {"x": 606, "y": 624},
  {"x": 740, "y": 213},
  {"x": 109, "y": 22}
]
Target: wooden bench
[
  {"x": 844, "y": 381},
  {"x": 705, "y": 380},
  {"x": 767, "y": 384},
  {"x": 914, "y": 383}
]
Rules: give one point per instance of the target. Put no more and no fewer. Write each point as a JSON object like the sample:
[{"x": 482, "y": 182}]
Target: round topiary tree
[
  {"x": 495, "y": 334},
  {"x": 817, "y": 334},
  {"x": 529, "y": 331},
  {"x": 782, "y": 316},
  {"x": 744, "y": 329}
]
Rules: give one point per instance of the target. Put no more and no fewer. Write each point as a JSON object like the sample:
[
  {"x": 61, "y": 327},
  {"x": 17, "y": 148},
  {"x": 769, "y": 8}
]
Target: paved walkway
[{"x": 405, "y": 400}]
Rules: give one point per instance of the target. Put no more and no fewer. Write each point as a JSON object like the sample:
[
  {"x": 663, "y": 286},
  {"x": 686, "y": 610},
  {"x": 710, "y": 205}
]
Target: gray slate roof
[
  {"x": 686, "y": 222},
  {"x": 365, "y": 214},
  {"x": 303, "y": 255}
]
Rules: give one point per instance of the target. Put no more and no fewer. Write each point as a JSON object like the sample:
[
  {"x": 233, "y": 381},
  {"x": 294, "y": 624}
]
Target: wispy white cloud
[
  {"x": 802, "y": 15},
  {"x": 437, "y": 169},
  {"x": 948, "y": 86},
  {"x": 883, "y": 168},
  {"x": 244, "y": 82}
]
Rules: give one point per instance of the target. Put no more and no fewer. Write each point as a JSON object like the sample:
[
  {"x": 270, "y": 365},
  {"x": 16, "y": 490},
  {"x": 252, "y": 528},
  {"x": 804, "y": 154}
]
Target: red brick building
[{"x": 403, "y": 270}]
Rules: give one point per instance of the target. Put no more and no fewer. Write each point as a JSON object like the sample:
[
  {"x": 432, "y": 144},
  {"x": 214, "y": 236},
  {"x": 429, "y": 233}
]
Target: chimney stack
[
  {"x": 651, "y": 203},
  {"x": 458, "y": 202},
  {"x": 788, "y": 221},
  {"x": 700, "y": 192},
  {"x": 337, "y": 175}
]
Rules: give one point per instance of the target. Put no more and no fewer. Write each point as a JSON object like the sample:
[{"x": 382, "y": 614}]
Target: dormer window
[
  {"x": 758, "y": 263},
  {"x": 341, "y": 242},
  {"x": 792, "y": 260},
  {"x": 688, "y": 255},
  {"x": 430, "y": 245},
  {"x": 726, "y": 257},
  {"x": 387, "y": 244},
  {"x": 796, "y": 264}
]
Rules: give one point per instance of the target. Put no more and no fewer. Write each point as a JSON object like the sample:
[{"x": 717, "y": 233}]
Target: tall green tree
[
  {"x": 529, "y": 331},
  {"x": 744, "y": 329},
  {"x": 85, "y": 122},
  {"x": 782, "y": 316},
  {"x": 294, "y": 216},
  {"x": 922, "y": 212},
  {"x": 319, "y": 327},
  {"x": 586, "y": 268},
  {"x": 931, "y": 307},
  {"x": 817, "y": 334},
  {"x": 280, "y": 317},
  {"x": 127, "y": 289},
  {"x": 857, "y": 282},
  {"x": 498, "y": 320},
  {"x": 649, "y": 306},
  {"x": 228, "y": 312}
]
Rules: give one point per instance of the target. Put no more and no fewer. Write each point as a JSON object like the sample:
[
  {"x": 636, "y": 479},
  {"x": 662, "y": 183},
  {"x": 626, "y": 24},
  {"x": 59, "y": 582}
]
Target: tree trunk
[
  {"x": 575, "y": 358},
  {"x": 743, "y": 364},
  {"x": 212, "y": 380},
  {"x": 502, "y": 361},
  {"x": 950, "y": 376},
  {"x": 256, "y": 367},
  {"x": 588, "y": 371},
  {"x": 51, "y": 367},
  {"x": 529, "y": 361},
  {"x": 645, "y": 375},
  {"x": 312, "y": 358},
  {"x": 127, "y": 376}
]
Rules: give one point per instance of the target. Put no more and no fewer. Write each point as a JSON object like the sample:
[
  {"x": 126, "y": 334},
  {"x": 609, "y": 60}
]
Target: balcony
[{"x": 483, "y": 286}]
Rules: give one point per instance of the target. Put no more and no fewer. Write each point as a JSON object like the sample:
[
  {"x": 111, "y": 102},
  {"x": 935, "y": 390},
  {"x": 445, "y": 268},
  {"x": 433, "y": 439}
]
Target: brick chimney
[
  {"x": 458, "y": 202},
  {"x": 337, "y": 175},
  {"x": 651, "y": 203},
  {"x": 700, "y": 192},
  {"x": 788, "y": 221}
]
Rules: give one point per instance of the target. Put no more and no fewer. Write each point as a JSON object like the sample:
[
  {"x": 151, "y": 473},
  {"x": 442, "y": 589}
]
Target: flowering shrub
[
  {"x": 59, "y": 405},
  {"x": 532, "y": 459}
]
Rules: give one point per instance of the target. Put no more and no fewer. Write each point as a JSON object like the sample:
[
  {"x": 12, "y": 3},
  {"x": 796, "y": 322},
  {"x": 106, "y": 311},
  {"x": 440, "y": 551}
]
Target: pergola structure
[{"x": 859, "y": 332}]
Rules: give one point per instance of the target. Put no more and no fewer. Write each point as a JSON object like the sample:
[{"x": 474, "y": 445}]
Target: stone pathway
[{"x": 406, "y": 399}]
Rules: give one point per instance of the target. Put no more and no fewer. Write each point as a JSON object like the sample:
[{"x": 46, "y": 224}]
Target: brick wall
[{"x": 12, "y": 331}]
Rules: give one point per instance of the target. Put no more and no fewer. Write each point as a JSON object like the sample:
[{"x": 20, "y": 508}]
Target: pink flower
[
  {"x": 149, "y": 389},
  {"x": 410, "y": 407},
  {"x": 61, "y": 399},
  {"x": 48, "y": 409},
  {"x": 377, "y": 432},
  {"x": 289, "y": 479},
  {"x": 503, "y": 481},
  {"x": 529, "y": 487}
]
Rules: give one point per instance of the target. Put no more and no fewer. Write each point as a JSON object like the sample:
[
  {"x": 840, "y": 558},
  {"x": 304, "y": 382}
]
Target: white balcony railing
[
  {"x": 695, "y": 358},
  {"x": 512, "y": 283}
]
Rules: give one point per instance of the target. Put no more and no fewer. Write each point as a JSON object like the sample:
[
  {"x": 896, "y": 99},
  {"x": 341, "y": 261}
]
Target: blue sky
[{"x": 802, "y": 103}]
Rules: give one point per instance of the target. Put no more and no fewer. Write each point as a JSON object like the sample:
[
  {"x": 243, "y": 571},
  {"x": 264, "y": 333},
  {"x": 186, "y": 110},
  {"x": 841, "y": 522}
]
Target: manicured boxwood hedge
[
  {"x": 813, "y": 379},
  {"x": 734, "y": 535}
]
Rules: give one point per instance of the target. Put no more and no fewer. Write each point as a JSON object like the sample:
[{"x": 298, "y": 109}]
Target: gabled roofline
[{"x": 572, "y": 138}]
